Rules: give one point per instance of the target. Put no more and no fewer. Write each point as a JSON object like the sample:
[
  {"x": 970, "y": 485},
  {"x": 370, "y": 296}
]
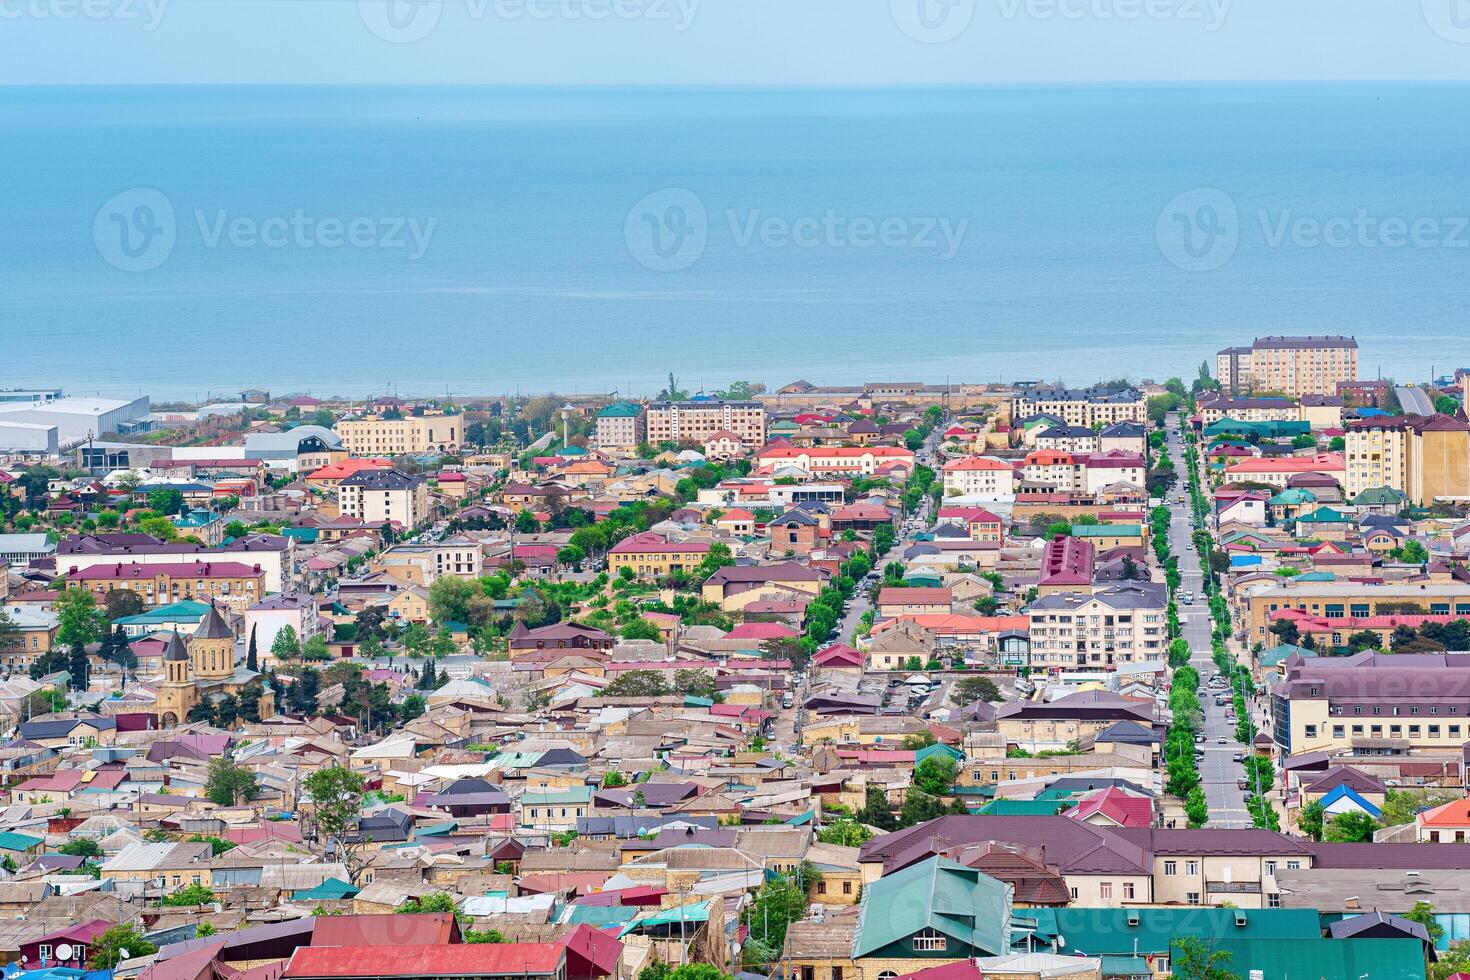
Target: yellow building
[
  {"x": 1294, "y": 366},
  {"x": 375, "y": 435},
  {"x": 202, "y": 667},
  {"x": 651, "y": 555},
  {"x": 1343, "y": 599}
]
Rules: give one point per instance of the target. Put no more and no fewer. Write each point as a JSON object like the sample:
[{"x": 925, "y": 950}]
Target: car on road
[
  {"x": 1238, "y": 757},
  {"x": 1221, "y": 740},
  {"x": 1242, "y": 784},
  {"x": 1199, "y": 737}
]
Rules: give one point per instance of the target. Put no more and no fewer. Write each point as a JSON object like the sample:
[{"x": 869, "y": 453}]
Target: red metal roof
[{"x": 457, "y": 960}]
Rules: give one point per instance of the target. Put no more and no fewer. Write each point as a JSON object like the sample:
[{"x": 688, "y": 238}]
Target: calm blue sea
[{"x": 180, "y": 241}]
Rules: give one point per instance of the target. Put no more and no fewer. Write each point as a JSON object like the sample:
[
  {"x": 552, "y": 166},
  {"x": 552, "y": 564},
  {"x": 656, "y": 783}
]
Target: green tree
[
  {"x": 637, "y": 684},
  {"x": 1353, "y": 826},
  {"x": 203, "y": 930},
  {"x": 190, "y": 895},
  {"x": 614, "y": 779},
  {"x": 1451, "y": 961},
  {"x": 117, "y": 944},
  {"x": 971, "y": 689},
  {"x": 228, "y": 783},
  {"x": 1312, "y": 819},
  {"x": 848, "y": 833},
  {"x": 84, "y": 847},
  {"x": 118, "y": 603},
  {"x": 875, "y": 811},
  {"x": 1196, "y": 809},
  {"x": 1195, "y": 959},
  {"x": 449, "y": 598},
  {"x": 252, "y": 656},
  {"x": 1413, "y": 553},
  {"x": 433, "y": 902},
  {"x": 641, "y": 629},
  {"x": 936, "y": 775},
  {"x": 167, "y": 502},
  {"x": 79, "y": 623},
  {"x": 1423, "y": 913},
  {"x": 286, "y": 646},
  {"x": 316, "y": 649},
  {"x": 336, "y": 794},
  {"x": 778, "y": 902},
  {"x": 412, "y": 707}
]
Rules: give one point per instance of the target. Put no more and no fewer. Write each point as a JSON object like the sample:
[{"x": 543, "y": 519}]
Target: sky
[{"x": 729, "y": 42}]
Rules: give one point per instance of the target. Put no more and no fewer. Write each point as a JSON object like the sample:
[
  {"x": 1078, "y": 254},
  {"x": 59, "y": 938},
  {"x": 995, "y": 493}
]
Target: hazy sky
[{"x": 729, "y": 42}]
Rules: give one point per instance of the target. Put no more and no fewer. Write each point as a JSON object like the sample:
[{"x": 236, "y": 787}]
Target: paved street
[{"x": 1218, "y": 773}]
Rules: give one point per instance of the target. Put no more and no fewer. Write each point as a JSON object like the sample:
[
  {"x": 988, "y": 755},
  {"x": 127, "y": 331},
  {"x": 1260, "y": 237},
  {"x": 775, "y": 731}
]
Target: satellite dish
[{"x": 64, "y": 951}]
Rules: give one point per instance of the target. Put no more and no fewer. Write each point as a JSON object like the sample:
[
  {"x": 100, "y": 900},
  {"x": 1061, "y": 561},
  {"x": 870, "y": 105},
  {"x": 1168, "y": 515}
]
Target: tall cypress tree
[{"x": 252, "y": 662}]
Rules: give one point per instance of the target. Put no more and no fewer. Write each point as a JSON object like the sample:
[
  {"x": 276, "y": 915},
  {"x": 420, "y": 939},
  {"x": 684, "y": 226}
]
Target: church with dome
[{"x": 202, "y": 667}]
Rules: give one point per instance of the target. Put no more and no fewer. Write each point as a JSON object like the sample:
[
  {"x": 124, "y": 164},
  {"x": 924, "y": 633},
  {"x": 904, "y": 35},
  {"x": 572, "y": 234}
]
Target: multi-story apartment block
[
  {"x": 378, "y": 435},
  {"x": 231, "y": 582},
  {"x": 651, "y": 555},
  {"x": 699, "y": 419},
  {"x": 1427, "y": 457},
  {"x": 1334, "y": 704},
  {"x": 33, "y": 631},
  {"x": 979, "y": 476},
  {"x": 1118, "y": 625},
  {"x": 1294, "y": 366},
  {"x": 1095, "y": 407},
  {"x": 384, "y": 495},
  {"x": 840, "y": 460},
  {"x": 1347, "y": 600},
  {"x": 1248, "y": 410},
  {"x": 619, "y": 426}
]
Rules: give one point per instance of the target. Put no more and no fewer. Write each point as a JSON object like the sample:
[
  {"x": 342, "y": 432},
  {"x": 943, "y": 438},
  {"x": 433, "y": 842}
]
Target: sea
[{"x": 188, "y": 242}]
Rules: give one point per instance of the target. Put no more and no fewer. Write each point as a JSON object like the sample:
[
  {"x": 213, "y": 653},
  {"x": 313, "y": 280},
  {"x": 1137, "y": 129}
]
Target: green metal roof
[
  {"x": 518, "y": 760},
  {"x": 574, "y": 795},
  {"x": 1323, "y": 515},
  {"x": 1023, "y": 808},
  {"x": 1150, "y": 931},
  {"x": 332, "y": 888},
  {"x": 948, "y": 751},
  {"x": 11, "y": 841},
  {"x": 937, "y": 894},
  {"x": 619, "y": 410},
  {"x": 697, "y": 912},
  {"x": 1272, "y": 656},
  {"x": 599, "y": 915},
  {"x": 1324, "y": 959},
  {"x": 1105, "y": 530},
  {"x": 175, "y": 612}
]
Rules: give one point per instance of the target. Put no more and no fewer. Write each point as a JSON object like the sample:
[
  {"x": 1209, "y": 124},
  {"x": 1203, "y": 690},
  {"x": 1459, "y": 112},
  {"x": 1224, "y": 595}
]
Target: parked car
[{"x": 1221, "y": 740}]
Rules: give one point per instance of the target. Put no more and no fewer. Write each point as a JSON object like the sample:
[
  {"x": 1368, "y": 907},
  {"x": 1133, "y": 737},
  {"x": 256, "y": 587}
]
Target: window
[
  {"x": 1273, "y": 900},
  {"x": 847, "y": 888},
  {"x": 1128, "y": 890},
  {"x": 821, "y": 888},
  {"x": 1191, "y": 867},
  {"x": 1073, "y": 890},
  {"x": 45, "y": 952},
  {"x": 929, "y": 941},
  {"x": 1191, "y": 898},
  {"x": 1105, "y": 889},
  {"x": 1293, "y": 865}
]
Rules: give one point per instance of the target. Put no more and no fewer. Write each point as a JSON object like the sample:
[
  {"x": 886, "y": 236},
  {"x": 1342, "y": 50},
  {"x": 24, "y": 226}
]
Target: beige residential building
[
  {"x": 384, "y": 495},
  {"x": 619, "y": 426},
  {"x": 1427, "y": 458},
  {"x": 1344, "y": 599},
  {"x": 1118, "y": 625},
  {"x": 698, "y": 421},
  {"x": 983, "y": 476},
  {"x": 374, "y": 435},
  {"x": 1294, "y": 366},
  {"x": 1090, "y": 407}
]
